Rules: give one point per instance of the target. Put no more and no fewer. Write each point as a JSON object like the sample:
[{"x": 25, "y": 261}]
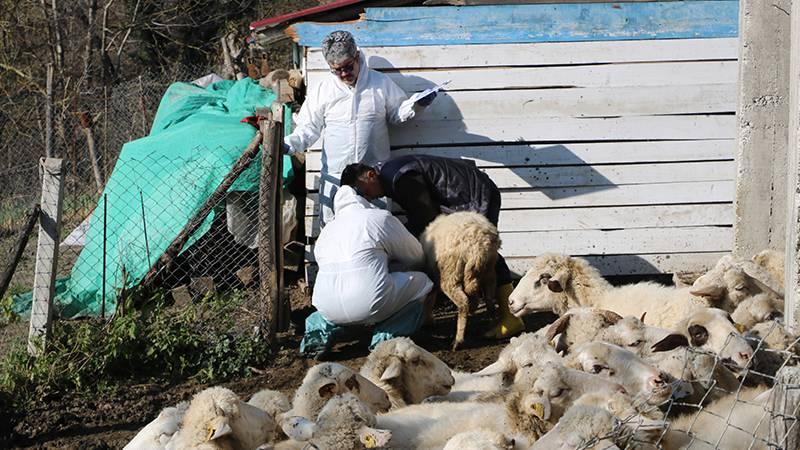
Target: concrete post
[
  {"x": 792, "y": 273},
  {"x": 761, "y": 114}
]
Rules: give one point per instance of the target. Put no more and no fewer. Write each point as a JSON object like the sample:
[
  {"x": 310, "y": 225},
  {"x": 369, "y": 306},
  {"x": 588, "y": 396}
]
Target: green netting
[{"x": 196, "y": 138}]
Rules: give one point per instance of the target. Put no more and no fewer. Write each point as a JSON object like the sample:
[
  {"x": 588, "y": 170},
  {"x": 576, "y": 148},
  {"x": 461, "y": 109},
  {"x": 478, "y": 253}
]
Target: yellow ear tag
[
  {"x": 741, "y": 328},
  {"x": 210, "y": 433},
  {"x": 538, "y": 410},
  {"x": 370, "y": 441}
]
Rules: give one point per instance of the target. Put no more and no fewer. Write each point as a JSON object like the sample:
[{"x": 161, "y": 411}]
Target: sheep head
[
  {"x": 639, "y": 379},
  {"x": 760, "y": 308},
  {"x": 526, "y": 351},
  {"x": 578, "y": 326},
  {"x": 555, "y": 283},
  {"x": 409, "y": 372},
  {"x": 728, "y": 284},
  {"x": 713, "y": 330},
  {"x": 325, "y": 380}
]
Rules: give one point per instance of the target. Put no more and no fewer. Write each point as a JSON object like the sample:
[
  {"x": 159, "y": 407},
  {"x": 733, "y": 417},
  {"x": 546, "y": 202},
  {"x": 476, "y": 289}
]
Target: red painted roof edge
[{"x": 273, "y": 21}]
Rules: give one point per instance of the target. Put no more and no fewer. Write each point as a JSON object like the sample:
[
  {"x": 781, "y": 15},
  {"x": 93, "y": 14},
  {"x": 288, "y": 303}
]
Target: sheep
[
  {"x": 710, "y": 329},
  {"x": 273, "y": 403},
  {"x": 756, "y": 309},
  {"x": 720, "y": 424},
  {"x": 729, "y": 283},
  {"x": 328, "y": 379},
  {"x": 460, "y": 253},
  {"x": 696, "y": 376},
  {"x": 480, "y": 439},
  {"x": 558, "y": 283},
  {"x": 773, "y": 262},
  {"x": 156, "y": 434},
  {"x": 407, "y": 372},
  {"x": 344, "y": 423},
  {"x": 526, "y": 351},
  {"x": 579, "y": 325},
  {"x": 639, "y": 379},
  {"x": 217, "y": 420}
]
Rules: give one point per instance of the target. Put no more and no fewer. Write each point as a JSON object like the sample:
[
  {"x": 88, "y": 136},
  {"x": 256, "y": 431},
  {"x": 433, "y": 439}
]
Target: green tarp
[{"x": 196, "y": 138}]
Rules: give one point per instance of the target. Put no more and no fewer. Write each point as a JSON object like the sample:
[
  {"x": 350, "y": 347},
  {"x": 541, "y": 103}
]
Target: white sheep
[
  {"x": 756, "y": 309},
  {"x": 480, "y": 439},
  {"x": 156, "y": 434},
  {"x": 558, "y": 283},
  {"x": 217, "y": 420},
  {"x": 273, "y": 403},
  {"x": 641, "y": 380},
  {"x": 344, "y": 423},
  {"x": 460, "y": 254},
  {"x": 325, "y": 380},
  {"x": 696, "y": 376},
  {"x": 736, "y": 421},
  {"x": 526, "y": 351},
  {"x": 773, "y": 261},
  {"x": 579, "y": 325},
  {"x": 729, "y": 283},
  {"x": 713, "y": 330},
  {"x": 407, "y": 372}
]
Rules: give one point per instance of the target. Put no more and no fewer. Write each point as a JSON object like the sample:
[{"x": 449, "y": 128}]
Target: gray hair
[{"x": 338, "y": 46}]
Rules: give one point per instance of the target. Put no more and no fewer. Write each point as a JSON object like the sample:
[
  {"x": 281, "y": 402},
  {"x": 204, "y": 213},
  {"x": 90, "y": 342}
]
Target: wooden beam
[
  {"x": 267, "y": 232},
  {"x": 44, "y": 282},
  {"x": 19, "y": 247}
]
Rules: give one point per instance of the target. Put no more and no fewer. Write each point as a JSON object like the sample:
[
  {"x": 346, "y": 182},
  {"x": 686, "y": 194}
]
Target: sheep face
[
  {"x": 557, "y": 388},
  {"x": 727, "y": 285},
  {"x": 545, "y": 287},
  {"x": 759, "y": 308},
  {"x": 580, "y": 325},
  {"x": 712, "y": 330},
  {"x": 409, "y": 370},
  {"x": 325, "y": 380},
  {"x": 526, "y": 351},
  {"x": 618, "y": 364}
]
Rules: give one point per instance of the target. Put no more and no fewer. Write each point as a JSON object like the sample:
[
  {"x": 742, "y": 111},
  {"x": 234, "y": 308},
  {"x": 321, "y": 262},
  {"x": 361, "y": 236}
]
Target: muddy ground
[{"x": 110, "y": 421}]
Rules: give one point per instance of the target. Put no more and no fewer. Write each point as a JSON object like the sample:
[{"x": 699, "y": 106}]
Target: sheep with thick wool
[
  {"x": 460, "y": 254},
  {"x": 407, "y": 372},
  {"x": 157, "y": 434},
  {"x": 558, "y": 283},
  {"x": 481, "y": 439},
  {"x": 730, "y": 282},
  {"x": 217, "y": 419}
]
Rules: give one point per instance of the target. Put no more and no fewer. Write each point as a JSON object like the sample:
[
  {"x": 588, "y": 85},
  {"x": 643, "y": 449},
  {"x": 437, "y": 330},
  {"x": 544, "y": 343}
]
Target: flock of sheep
[{"x": 634, "y": 366}]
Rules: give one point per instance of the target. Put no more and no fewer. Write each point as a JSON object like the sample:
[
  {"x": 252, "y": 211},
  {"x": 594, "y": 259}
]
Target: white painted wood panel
[
  {"x": 608, "y": 176},
  {"x": 636, "y": 194},
  {"x": 644, "y": 264},
  {"x": 585, "y": 76},
  {"x": 541, "y": 54},
  {"x": 604, "y": 218},
  {"x": 569, "y": 153}
]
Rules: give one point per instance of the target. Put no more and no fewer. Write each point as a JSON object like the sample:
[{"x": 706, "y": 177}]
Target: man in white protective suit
[
  {"x": 366, "y": 259},
  {"x": 350, "y": 109}
]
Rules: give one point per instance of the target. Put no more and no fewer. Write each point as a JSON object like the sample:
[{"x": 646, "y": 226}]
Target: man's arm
[
  {"x": 402, "y": 248},
  {"x": 412, "y": 193},
  {"x": 310, "y": 122}
]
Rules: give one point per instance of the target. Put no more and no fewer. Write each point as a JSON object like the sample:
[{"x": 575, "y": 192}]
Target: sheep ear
[
  {"x": 699, "y": 335},
  {"x": 557, "y": 282},
  {"x": 327, "y": 390},
  {"x": 558, "y": 327},
  {"x": 494, "y": 368},
  {"x": 352, "y": 384},
  {"x": 298, "y": 428},
  {"x": 218, "y": 428},
  {"x": 374, "y": 438},
  {"x": 393, "y": 370},
  {"x": 610, "y": 316},
  {"x": 708, "y": 290},
  {"x": 672, "y": 341}
]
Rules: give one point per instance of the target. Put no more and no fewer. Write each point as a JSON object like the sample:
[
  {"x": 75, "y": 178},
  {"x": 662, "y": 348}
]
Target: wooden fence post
[
  {"x": 267, "y": 195},
  {"x": 46, "y": 254},
  {"x": 784, "y": 429},
  {"x": 48, "y": 114},
  {"x": 19, "y": 247}
]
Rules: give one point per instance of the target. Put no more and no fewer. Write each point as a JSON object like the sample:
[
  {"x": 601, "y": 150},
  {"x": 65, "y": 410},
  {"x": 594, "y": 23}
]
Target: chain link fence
[{"x": 110, "y": 239}]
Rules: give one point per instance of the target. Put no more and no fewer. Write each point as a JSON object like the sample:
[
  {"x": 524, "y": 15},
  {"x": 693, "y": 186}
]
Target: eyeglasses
[{"x": 344, "y": 69}]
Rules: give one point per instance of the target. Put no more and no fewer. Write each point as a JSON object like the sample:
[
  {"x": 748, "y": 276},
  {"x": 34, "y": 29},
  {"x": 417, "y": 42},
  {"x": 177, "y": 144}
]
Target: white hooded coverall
[
  {"x": 353, "y": 123},
  {"x": 354, "y": 285}
]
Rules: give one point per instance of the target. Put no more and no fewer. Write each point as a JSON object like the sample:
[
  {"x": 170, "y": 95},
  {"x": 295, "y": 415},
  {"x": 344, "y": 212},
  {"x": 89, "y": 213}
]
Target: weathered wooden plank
[
  {"x": 498, "y": 24},
  {"x": 562, "y": 129},
  {"x": 600, "y": 218},
  {"x": 583, "y": 102},
  {"x": 540, "y": 54},
  {"x": 569, "y": 153},
  {"x": 635, "y": 194},
  {"x": 585, "y": 76},
  {"x": 608, "y": 176},
  {"x": 644, "y": 264}
]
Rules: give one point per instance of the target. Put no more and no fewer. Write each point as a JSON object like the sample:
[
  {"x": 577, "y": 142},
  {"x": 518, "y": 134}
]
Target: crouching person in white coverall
[{"x": 355, "y": 285}]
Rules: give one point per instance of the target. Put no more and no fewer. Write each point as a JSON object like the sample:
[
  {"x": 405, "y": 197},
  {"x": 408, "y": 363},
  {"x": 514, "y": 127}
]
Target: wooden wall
[{"x": 621, "y": 151}]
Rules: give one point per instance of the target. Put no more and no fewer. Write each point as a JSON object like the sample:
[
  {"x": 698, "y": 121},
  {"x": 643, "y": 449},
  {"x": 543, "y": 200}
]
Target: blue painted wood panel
[{"x": 506, "y": 24}]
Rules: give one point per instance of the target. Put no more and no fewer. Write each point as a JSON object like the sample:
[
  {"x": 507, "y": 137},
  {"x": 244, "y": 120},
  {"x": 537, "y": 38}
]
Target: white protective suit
[
  {"x": 354, "y": 285},
  {"x": 353, "y": 122}
]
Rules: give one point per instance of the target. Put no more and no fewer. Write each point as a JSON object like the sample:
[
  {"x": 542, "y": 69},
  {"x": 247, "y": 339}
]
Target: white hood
[{"x": 346, "y": 197}]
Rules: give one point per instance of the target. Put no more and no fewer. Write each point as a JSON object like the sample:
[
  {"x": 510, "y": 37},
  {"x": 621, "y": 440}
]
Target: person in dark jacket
[{"x": 426, "y": 186}]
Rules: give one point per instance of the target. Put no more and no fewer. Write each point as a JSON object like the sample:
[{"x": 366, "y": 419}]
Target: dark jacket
[{"x": 426, "y": 186}]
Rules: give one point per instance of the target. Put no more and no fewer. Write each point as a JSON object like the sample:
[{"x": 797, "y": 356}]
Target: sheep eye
[
  {"x": 544, "y": 278},
  {"x": 597, "y": 368},
  {"x": 527, "y": 364},
  {"x": 739, "y": 287},
  {"x": 560, "y": 392},
  {"x": 635, "y": 344}
]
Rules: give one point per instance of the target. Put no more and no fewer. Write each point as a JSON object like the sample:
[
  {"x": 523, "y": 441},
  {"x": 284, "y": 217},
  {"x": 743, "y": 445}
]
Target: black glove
[
  {"x": 285, "y": 149},
  {"x": 427, "y": 100}
]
